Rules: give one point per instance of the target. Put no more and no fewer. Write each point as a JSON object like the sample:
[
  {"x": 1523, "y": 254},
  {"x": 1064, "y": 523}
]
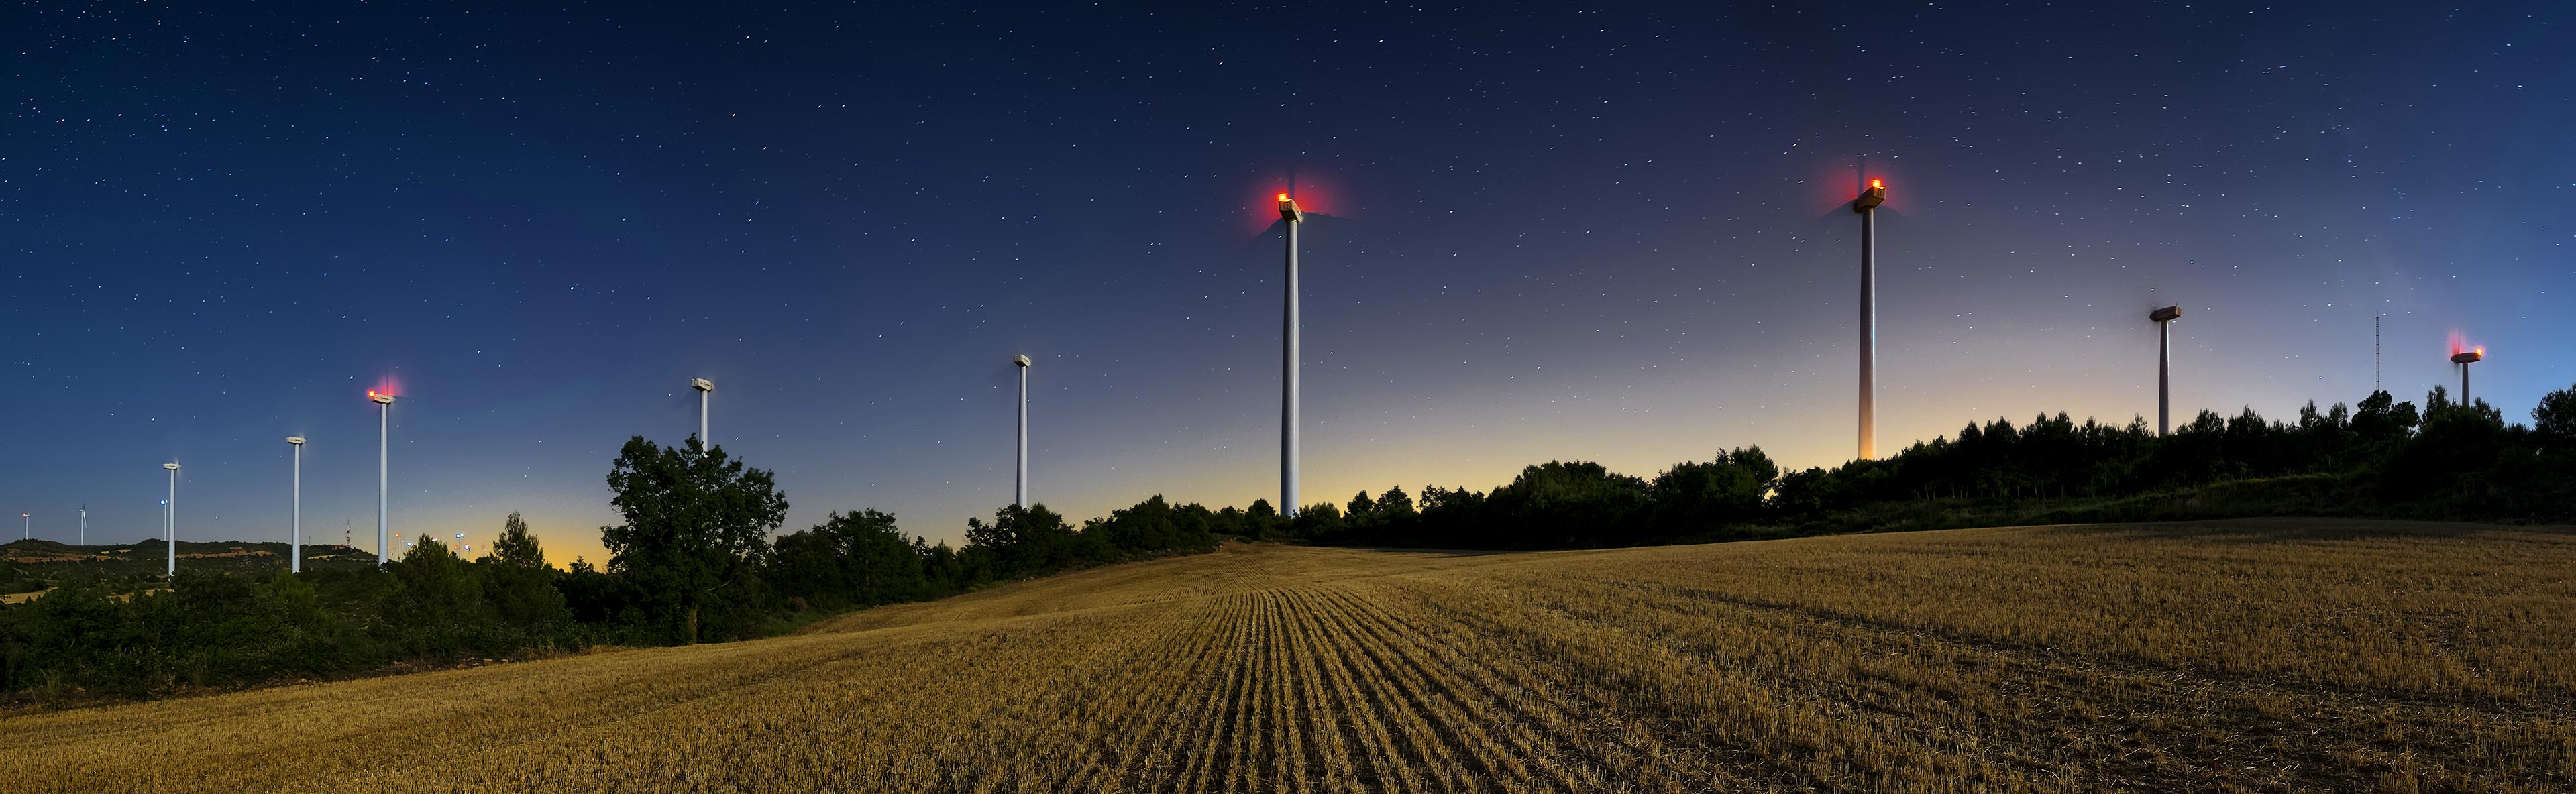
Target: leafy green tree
[
  {"x": 1395, "y": 504},
  {"x": 697, "y": 524},
  {"x": 1692, "y": 498},
  {"x": 854, "y": 559},
  {"x": 2380, "y": 418},
  {"x": 1022, "y": 541},
  {"x": 1360, "y": 506},
  {"x": 517, "y": 580},
  {"x": 432, "y": 586},
  {"x": 1561, "y": 504},
  {"x": 1320, "y": 520},
  {"x": 2553, "y": 421}
]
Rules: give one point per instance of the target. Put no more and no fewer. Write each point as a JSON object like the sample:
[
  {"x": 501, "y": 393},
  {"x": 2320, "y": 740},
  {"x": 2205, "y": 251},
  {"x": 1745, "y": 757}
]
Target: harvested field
[{"x": 2274, "y": 655}]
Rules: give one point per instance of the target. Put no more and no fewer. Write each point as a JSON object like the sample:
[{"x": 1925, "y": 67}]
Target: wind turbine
[
  {"x": 705, "y": 387},
  {"x": 295, "y": 531},
  {"x": 2464, "y": 359},
  {"x": 384, "y": 421},
  {"x": 1023, "y": 363},
  {"x": 1867, "y": 206},
  {"x": 170, "y": 521},
  {"x": 84, "y": 525},
  {"x": 2163, "y": 319},
  {"x": 1291, "y": 217}
]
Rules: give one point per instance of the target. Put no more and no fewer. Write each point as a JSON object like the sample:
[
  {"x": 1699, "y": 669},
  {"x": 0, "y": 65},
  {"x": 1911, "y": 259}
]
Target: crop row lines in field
[{"x": 2146, "y": 718}]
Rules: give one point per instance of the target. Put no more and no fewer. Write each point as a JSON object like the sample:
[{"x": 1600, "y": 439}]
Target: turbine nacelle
[
  {"x": 2165, "y": 314},
  {"x": 1871, "y": 196},
  {"x": 2469, "y": 356},
  {"x": 1288, "y": 210}
]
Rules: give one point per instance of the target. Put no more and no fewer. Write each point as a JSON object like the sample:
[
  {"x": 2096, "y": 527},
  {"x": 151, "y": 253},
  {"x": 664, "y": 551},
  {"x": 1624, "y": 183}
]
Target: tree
[
  {"x": 2380, "y": 418},
  {"x": 1022, "y": 541},
  {"x": 1261, "y": 521},
  {"x": 1395, "y": 504},
  {"x": 855, "y": 559},
  {"x": 517, "y": 580},
  {"x": 1360, "y": 506},
  {"x": 2553, "y": 421},
  {"x": 697, "y": 525},
  {"x": 1693, "y": 498},
  {"x": 435, "y": 603},
  {"x": 1562, "y": 504}
]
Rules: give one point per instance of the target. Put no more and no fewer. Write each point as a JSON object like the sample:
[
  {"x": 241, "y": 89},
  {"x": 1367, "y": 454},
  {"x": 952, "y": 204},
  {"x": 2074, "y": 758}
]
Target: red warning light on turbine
[{"x": 1877, "y": 185}]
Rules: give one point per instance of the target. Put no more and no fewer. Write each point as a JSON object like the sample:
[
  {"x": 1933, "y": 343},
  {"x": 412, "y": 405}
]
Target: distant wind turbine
[
  {"x": 384, "y": 424},
  {"x": 705, "y": 387},
  {"x": 2163, "y": 319},
  {"x": 295, "y": 524},
  {"x": 1871, "y": 196},
  {"x": 170, "y": 521},
  {"x": 1292, "y": 218},
  {"x": 2464, "y": 358},
  {"x": 1022, "y": 491}
]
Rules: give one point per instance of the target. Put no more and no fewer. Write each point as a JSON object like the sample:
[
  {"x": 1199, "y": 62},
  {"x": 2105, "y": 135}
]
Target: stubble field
[{"x": 2276, "y": 655}]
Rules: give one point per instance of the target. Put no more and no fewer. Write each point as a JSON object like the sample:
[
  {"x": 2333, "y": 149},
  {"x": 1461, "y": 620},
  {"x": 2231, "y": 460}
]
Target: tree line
[
  {"x": 697, "y": 555},
  {"x": 2381, "y": 458}
]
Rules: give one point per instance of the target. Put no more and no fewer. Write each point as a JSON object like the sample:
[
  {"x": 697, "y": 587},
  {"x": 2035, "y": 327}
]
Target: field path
[{"x": 2275, "y": 655}]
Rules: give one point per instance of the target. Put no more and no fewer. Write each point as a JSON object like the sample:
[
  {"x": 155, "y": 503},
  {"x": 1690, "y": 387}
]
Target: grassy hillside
[{"x": 2280, "y": 654}]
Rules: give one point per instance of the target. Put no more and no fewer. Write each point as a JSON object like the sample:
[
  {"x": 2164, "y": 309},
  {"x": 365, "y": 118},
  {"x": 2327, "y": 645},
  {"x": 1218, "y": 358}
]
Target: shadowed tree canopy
[
  {"x": 697, "y": 525},
  {"x": 850, "y": 559},
  {"x": 518, "y": 582}
]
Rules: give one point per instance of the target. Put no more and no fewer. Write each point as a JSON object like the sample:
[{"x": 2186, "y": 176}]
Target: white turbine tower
[
  {"x": 1867, "y": 206},
  {"x": 295, "y": 524},
  {"x": 1022, "y": 491},
  {"x": 2464, "y": 358},
  {"x": 384, "y": 421},
  {"x": 84, "y": 525},
  {"x": 2164, "y": 367},
  {"x": 705, "y": 387},
  {"x": 170, "y": 521},
  {"x": 1291, "y": 217}
]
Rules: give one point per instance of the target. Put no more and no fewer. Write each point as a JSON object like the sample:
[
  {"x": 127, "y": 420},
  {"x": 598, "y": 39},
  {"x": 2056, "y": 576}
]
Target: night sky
[{"x": 1551, "y": 234}]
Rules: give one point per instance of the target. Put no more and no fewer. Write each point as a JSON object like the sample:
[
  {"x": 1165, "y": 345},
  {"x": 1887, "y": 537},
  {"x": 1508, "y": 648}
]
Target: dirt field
[{"x": 2280, "y": 655}]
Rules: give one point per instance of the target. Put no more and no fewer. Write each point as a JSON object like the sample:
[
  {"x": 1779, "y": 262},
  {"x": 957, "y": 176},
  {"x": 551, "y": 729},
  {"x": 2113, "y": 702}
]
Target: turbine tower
[
  {"x": 2164, "y": 366},
  {"x": 84, "y": 525},
  {"x": 1023, "y": 491},
  {"x": 1867, "y": 206},
  {"x": 384, "y": 420},
  {"x": 2464, "y": 359},
  {"x": 170, "y": 521},
  {"x": 705, "y": 387},
  {"x": 1292, "y": 218},
  {"x": 295, "y": 525}
]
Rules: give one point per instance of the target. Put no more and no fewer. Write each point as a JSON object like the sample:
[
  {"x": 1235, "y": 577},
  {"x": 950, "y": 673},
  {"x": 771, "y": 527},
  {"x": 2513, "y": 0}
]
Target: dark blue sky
[{"x": 1554, "y": 234}]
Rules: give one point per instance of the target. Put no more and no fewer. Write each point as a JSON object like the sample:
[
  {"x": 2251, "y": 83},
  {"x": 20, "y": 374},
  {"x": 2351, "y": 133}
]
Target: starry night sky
[{"x": 1551, "y": 233}]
